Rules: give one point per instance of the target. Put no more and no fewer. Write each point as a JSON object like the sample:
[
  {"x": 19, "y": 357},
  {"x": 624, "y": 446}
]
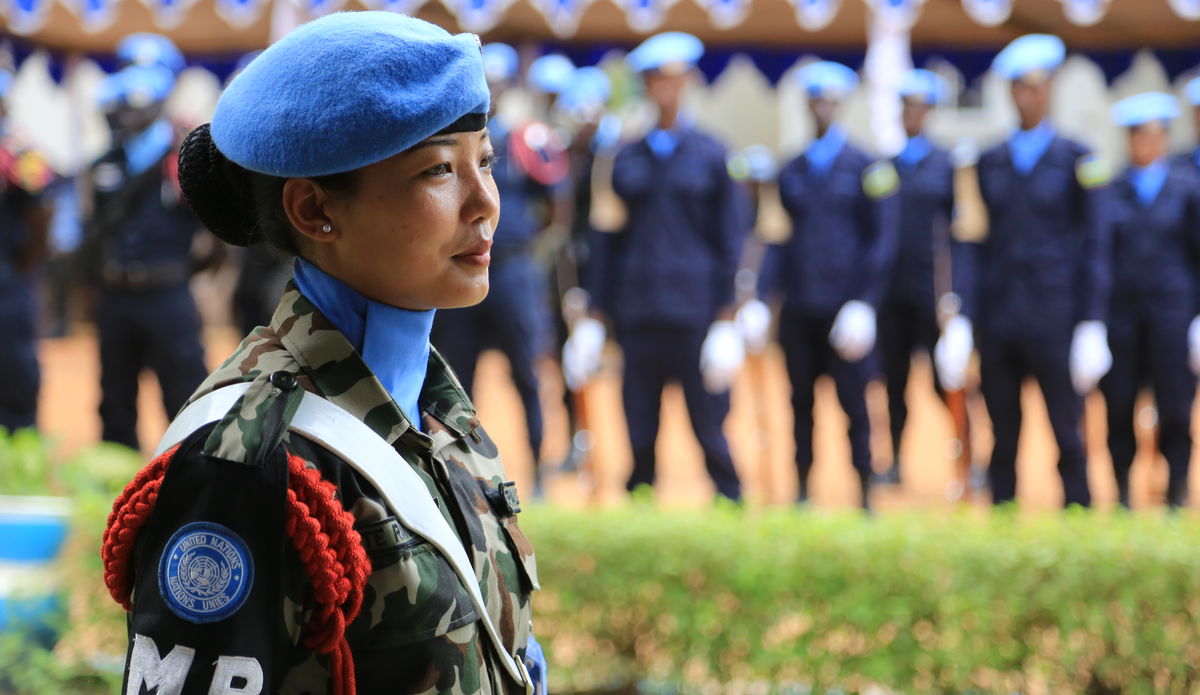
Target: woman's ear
[{"x": 305, "y": 204}]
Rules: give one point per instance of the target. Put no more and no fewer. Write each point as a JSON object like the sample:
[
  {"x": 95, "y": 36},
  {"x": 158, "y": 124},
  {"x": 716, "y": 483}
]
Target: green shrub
[
  {"x": 752, "y": 601},
  {"x": 90, "y": 646}
]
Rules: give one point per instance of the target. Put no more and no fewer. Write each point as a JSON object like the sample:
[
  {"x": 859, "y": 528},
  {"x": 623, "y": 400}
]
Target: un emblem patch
[{"x": 205, "y": 572}]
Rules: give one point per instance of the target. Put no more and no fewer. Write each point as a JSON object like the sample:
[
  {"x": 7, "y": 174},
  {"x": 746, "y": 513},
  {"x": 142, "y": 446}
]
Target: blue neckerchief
[
  {"x": 914, "y": 151},
  {"x": 1028, "y": 146},
  {"x": 1148, "y": 180},
  {"x": 393, "y": 342},
  {"x": 148, "y": 147},
  {"x": 663, "y": 142},
  {"x": 823, "y": 151}
]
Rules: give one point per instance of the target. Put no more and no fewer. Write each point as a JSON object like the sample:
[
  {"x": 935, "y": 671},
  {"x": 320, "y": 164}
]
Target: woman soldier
[
  {"x": 327, "y": 515},
  {"x": 1153, "y": 323}
]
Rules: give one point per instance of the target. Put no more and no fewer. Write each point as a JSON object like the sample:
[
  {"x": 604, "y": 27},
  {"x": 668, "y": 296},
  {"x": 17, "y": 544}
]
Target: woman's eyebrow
[{"x": 435, "y": 142}]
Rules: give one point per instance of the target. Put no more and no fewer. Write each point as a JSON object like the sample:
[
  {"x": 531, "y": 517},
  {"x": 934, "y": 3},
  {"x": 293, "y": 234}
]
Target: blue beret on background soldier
[
  {"x": 834, "y": 271},
  {"x": 667, "y": 276},
  {"x": 327, "y": 515},
  {"x": 1035, "y": 290},
  {"x": 24, "y": 222},
  {"x": 909, "y": 320},
  {"x": 1153, "y": 323},
  {"x": 139, "y": 247}
]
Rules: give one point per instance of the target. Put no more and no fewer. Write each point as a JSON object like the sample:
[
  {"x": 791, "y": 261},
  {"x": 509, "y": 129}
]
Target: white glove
[
  {"x": 1090, "y": 356},
  {"x": 853, "y": 333},
  {"x": 952, "y": 353},
  {"x": 754, "y": 322},
  {"x": 1194, "y": 346},
  {"x": 582, "y": 351},
  {"x": 721, "y": 356}
]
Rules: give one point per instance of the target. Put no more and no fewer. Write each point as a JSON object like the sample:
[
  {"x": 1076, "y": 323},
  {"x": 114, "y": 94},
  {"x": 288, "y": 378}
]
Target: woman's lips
[{"x": 478, "y": 255}]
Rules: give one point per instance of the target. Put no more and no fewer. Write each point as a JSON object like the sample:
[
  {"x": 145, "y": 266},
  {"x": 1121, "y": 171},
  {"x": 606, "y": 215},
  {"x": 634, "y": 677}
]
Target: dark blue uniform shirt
[
  {"x": 1044, "y": 265},
  {"x": 519, "y": 194},
  {"x": 843, "y": 243},
  {"x": 675, "y": 260},
  {"x": 1156, "y": 245},
  {"x": 153, "y": 226},
  {"x": 926, "y": 205}
]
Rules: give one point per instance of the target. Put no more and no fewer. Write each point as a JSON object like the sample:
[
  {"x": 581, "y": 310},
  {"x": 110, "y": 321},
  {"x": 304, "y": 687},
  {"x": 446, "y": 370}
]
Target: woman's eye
[
  {"x": 489, "y": 162},
  {"x": 439, "y": 170}
]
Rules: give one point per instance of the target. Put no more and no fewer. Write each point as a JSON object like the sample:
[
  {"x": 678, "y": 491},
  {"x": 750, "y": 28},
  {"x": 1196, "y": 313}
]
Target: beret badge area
[{"x": 205, "y": 572}]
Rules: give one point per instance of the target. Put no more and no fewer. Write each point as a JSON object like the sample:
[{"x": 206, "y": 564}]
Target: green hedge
[
  {"x": 737, "y": 601},
  {"x": 751, "y": 601}
]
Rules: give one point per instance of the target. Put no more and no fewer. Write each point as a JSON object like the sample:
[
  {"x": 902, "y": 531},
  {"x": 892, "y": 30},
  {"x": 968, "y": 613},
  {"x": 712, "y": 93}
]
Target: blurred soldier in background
[
  {"x": 1153, "y": 330},
  {"x": 595, "y": 137},
  {"x": 834, "y": 270},
  {"x": 24, "y": 222},
  {"x": 1037, "y": 287},
  {"x": 909, "y": 320},
  {"x": 667, "y": 277},
  {"x": 140, "y": 239},
  {"x": 532, "y": 161}
]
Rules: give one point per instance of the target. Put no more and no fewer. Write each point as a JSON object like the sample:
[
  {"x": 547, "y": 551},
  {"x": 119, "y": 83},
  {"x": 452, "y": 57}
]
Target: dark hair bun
[{"x": 217, "y": 189}]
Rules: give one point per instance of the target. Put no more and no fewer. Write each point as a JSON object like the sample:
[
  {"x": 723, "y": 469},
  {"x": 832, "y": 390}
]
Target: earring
[{"x": 326, "y": 228}]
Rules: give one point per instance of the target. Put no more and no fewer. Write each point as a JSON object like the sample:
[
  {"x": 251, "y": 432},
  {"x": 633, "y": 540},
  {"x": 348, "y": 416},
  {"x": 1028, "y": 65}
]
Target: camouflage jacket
[{"x": 417, "y": 631}]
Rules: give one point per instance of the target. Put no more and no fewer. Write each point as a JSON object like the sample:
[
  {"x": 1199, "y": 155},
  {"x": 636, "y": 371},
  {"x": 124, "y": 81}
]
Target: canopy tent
[{"x": 221, "y": 27}]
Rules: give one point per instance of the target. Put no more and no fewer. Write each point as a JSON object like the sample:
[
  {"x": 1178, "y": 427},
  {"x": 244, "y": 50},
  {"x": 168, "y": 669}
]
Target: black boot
[
  {"x": 864, "y": 485},
  {"x": 802, "y": 493},
  {"x": 1177, "y": 493}
]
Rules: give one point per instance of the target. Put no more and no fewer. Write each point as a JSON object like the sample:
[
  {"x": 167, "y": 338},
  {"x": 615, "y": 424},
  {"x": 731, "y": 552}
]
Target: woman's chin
[{"x": 469, "y": 294}]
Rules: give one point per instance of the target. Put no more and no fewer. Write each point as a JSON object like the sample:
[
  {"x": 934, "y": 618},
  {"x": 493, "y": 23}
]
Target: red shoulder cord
[{"x": 320, "y": 528}]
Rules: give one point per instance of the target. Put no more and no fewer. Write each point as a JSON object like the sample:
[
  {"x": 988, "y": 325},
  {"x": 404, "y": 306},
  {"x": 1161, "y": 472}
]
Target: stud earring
[{"x": 326, "y": 228}]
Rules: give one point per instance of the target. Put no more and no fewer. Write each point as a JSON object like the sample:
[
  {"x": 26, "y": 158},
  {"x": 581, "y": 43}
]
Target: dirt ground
[{"x": 759, "y": 430}]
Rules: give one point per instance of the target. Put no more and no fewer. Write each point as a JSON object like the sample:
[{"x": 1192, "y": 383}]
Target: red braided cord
[
  {"x": 323, "y": 533},
  {"x": 130, "y": 512},
  {"x": 321, "y": 530}
]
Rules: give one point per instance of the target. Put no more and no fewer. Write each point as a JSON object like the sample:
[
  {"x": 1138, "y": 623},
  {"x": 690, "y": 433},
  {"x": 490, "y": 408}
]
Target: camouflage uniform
[{"x": 418, "y": 631}]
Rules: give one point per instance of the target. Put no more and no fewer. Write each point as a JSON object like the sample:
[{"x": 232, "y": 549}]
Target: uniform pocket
[
  {"x": 413, "y": 594},
  {"x": 522, "y": 550}
]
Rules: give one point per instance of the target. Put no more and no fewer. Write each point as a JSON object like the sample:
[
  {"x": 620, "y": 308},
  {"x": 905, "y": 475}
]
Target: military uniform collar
[{"x": 339, "y": 375}]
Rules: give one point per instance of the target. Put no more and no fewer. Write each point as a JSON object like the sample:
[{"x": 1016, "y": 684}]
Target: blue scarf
[
  {"x": 393, "y": 342},
  {"x": 1148, "y": 180},
  {"x": 914, "y": 151},
  {"x": 1028, "y": 146},
  {"x": 822, "y": 152}
]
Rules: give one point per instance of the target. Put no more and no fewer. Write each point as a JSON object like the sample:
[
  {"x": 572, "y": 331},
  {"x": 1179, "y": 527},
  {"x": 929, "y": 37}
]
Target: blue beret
[
  {"x": 589, "y": 87},
  {"x": 551, "y": 73},
  {"x": 1143, "y": 108},
  {"x": 150, "y": 49},
  {"x": 827, "y": 80},
  {"x": 137, "y": 86},
  {"x": 1192, "y": 91},
  {"x": 1029, "y": 54},
  {"x": 500, "y": 62},
  {"x": 672, "y": 48},
  {"x": 926, "y": 84},
  {"x": 348, "y": 90}
]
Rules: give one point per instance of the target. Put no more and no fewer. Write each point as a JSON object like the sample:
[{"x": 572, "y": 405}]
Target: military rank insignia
[
  {"x": 1092, "y": 171},
  {"x": 880, "y": 180},
  {"x": 205, "y": 572}
]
